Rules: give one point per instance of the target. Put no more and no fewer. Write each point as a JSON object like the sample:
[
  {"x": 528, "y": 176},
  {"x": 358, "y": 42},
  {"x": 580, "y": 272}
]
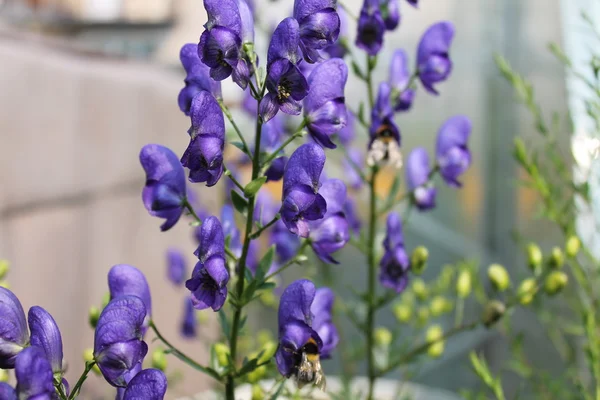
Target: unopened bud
[
  {"x": 4, "y": 268},
  {"x": 222, "y": 352},
  {"x": 268, "y": 298},
  {"x": 434, "y": 336},
  {"x": 3, "y": 375},
  {"x": 439, "y": 305},
  {"x": 463, "y": 284},
  {"x": 418, "y": 260},
  {"x": 105, "y": 300},
  {"x": 300, "y": 258},
  {"x": 534, "y": 258},
  {"x": 422, "y": 315},
  {"x": 499, "y": 277},
  {"x": 420, "y": 289},
  {"x": 257, "y": 374},
  {"x": 93, "y": 316},
  {"x": 382, "y": 337},
  {"x": 572, "y": 247},
  {"x": 527, "y": 290},
  {"x": 403, "y": 312},
  {"x": 159, "y": 360},
  {"x": 494, "y": 310},
  {"x": 257, "y": 393},
  {"x": 88, "y": 356},
  {"x": 555, "y": 282},
  {"x": 557, "y": 258},
  {"x": 268, "y": 351}
]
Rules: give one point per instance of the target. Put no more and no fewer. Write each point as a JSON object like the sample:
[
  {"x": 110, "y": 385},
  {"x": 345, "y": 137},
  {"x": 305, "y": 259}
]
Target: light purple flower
[
  {"x": 149, "y": 384},
  {"x": 402, "y": 95},
  {"x": 197, "y": 77},
  {"x": 433, "y": 58},
  {"x": 176, "y": 266},
  {"x": 319, "y": 26},
  {"x": 189, "y": 322},
  {"x": 321, "y": 309},
  {"x": 46, "y": 336},
  {"x": 13, "y": 328},
  {"x": 34, "y": 375},
  {"x": 394, "y": 264},
  {"x": 452, "y": 151},
  {"x": 371, "y": 28},
  {"x": 417, "y": 178}
]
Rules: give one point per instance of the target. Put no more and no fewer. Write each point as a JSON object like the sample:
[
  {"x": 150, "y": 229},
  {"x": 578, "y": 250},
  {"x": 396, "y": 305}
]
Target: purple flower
[
  {"x": 338, "y": 49},
  {"x": 452, "y": 152},
  {"x": 332, "y": 232},
  {"x": 231, "y": 230},
  {"x": 7, "y": 392},
  {"x": 286, "y": 243},
  {"x": 208, "y": 283},
  {"x": 149, "y": 384},
  {"x": 324, "y": 107},
  {"x": 164, "y": 192},
  {"x": 197, "y": 78},
  {"x": 371, "y": 28},
  {"x": 394, "y": 264},
  {"x": 176, "y": 266},
  {"x": 286, "y": 84},
  {"x": 46, "y": 336},
  {"x": 276, "y": 169},
  {"x": 433, "y": 61},
  {"x": 13, "y": 328},
  {"x": 126, "y": 280},
  {"x": 354, "y": 156},
  {"x": 34, "y": 375},
  {"x": 347, "y": 133},
  {"x": 417, "y": 178},
  {"x": 118, "y": 344},
  {"x": 352, "y": 216},
  {"x": 390, "y": 10},
  {"x": 204, "y": 155},
  {"x": 385, "y": 136},
  {"x": 322, "y": 323},
  {"x": 301, "y": 201},
  {"x": 270, "y": 140},
  {"x": 189, "y": 323},
  {"x": 402, "y": 94},
  {"x": 319, "y": 26}
]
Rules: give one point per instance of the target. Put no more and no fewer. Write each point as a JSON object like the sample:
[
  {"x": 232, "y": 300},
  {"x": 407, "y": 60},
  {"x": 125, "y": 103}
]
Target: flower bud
[
  {"x": 93, "y": 316},
  {"x": 499, "y": 277},
  {"x": 3, "y": 375},
  {"x": 222, "y": 352},
  {"x": 257, "y": 374},
  {"x": 88, "y": 356},
  {"x": 257, "y": 392},
  {"x": 439, "y": 305},
  {"x": 4, "y": 268},
  {"x": 572, "y": 247},
  {"x": 463, "y": 284},
  {"x": 300, "y": 258},
  {"x": 557, "y": 258},
  {"x": 422, "y": 315},
  {"x": 418, "y": 260},
  {"x": 555, "y": 282},
  {"x": 267, "y": 297},
  {"x": 527, "y": 290},
  {"x": 534, "y": 258},
  {"x": 420, "y": 289},
  {"x": 382, "y": 337},
  {"x": 159, "y": 360},
  {"x": 434, "y": 336},
  {"x": 105, "y": 300},
  {"x": 494, "y": 310},
  {"x": 268, "y": 351},
  {"x": 403, "y": 312}
]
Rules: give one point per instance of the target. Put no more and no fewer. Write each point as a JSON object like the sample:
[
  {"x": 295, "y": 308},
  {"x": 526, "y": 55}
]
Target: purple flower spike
[
  {"x": 433, "y": 58},
  {"x": 324, "y": 107},
  {"x": 46, "y": 336},
  {"x": 395, "y": 262},
  {"x": 189, "y": 323},
  {"x": 453, "y": 155},
  {"x": 197, "y": 78},
  {"x": 208, "y": 283},
  {"x": 322, "y": 308},
  {"x": 126, "y": 280},
  {"x": 13, "y": 328},
  {"x": 286, "y": 84},
  {"x": 417, "y": 178},
  {"x": 390, "y": 10},
  {"x": 301, "y": 201},
  {"x": 34, "y": 375},
  {"x": 164, "y": 193},
  {"x": 319, "y": 26},
  {"x": 150, "y": 384},
  {"x": 371, "y": 28},
  {"x": 338, "y": 49},
  {"x": 176, "y": 266},
  {"x": 7, "y": 392},
  {"x": 384, "y": 146},
  {"x": 204, "y": 155},
  {"x": 402, "y": 95},
  {"x": 118, "y": 344}
]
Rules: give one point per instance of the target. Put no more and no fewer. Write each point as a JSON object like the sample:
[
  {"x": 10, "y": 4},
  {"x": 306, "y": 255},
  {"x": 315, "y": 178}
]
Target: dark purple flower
[
  {"x": 354, "y": 156},
  {"x": 321, "y": 309},
  {"x": 384, "y": 146},
  {"x": 332, "y": 232},
  {"x": 352, "y": 216},
  {"x": 204, "y": 155},
  {"x": 197, "y": 77},
  {"x": 339, "y": 49},
  {"x": 433, "y": 58},
  {"x": 208, "y": 283},
  {"x": 126, "y": 280},
  {"x": 390, "y": 11},
  {"x": 46, "y": 336},
  {"x": 371, "y": 28},
  {"x": 394, "y": 264},
  {"x": 231, "y": 230},
  {"x": 324, "y": 106},
  {"x": 189, "y": 322},
  {"x": 452, "y": 152},
  {"x": 347, "y": 133},
  {"x": 176, "y": 266},
  {"x": 149, "y": 384},
  {"x": 417, "y": 179},
  {"x": 34, "y": 375},
  {"x": 7, "y": 392},
  {"x": 276, "y": 169},
  {"x": 13, "y": 328},
  {"x": 301, "y": 201},
  {"x": 286, "y": 84},
  {"x": 164, "y": 192},
  {"x": 402, "y": 94},
  {"x": 319, "y": 26}
]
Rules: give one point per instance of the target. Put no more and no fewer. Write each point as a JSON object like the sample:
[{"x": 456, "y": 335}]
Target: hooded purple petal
[
  {"x": 223, "y": 13},
  {"x": 176, "y": 266},
  {"x": 34, "y": 375},
  {"x": 433, "y": 58},
  {"x": 197, "y": 77},
  {"x": 46, "y": 335},
  {"x": 211, "y": 238},
  {"x": 417, "y": 178},
  {"x": 393, "y": 236},
  {"x": 304, "y": 168},
  {"x": 402, "y": 95},
  {"x": 322, "y": 308},
  {"x": 287, "y": 87},
  {"x": 285, "y": 42},
  {"x": 339, "y": 49},
  {"x": 7, "y": 392},
  {"x": 247, "y": 19},
  {"x": 13, "y": 328},
  {"x": 150, "y": 384},
  {"x": 126, "y": 280},
  {"x": 452, "y": 151},
  {"x": 371, "y": 28},
  {"x": 296, "y": 301},
  {"x": 189, "y": 322},
  {"x": 319, "y": 26},
  {"x": 390, "y": 10},
  {"x": 382, "y": 116},
  {"x": 394, "y": 269}
]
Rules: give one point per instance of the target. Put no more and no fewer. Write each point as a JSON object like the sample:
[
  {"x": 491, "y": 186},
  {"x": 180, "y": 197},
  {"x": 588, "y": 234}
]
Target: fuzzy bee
[
  {"x": 385, "y": 147},
  {"x": 308, "y": 369}
]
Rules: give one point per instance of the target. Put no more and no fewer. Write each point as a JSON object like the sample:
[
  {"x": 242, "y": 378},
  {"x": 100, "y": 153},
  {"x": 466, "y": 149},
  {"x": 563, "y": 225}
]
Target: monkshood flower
[
  {"x": 286, "y": 243},
  {"x": 452, "y": 152},
  {"x": 220, "y": 45},
  {"x": 270, "y": 140},
  {"x": 402, "y": 94},
  {"x": 371, "y": 28},
  {"x": 118, "y": 344},
  {"x": 355, "y": 157},
  {"x": 352, "y": 216},
  {"x": 322, "y": 323},
  {"x": 164, "y": 192},
  {"x": 324, "y": 107},
  {"x": 319, "y": 26},
  {"x": 347, "y": 133},
  {"x": 128, "y": 376},
  {"x": 46, "y": 336},
  {"x": 301, "y": 201},
  {"x": 13, "y": 328},
  {"x": 339, "y": 48},
  {"x": 433, "y": 58},
  {"x": 384, "y": 146},
  {"x": 417, "y": 179},
  {"x": 208, "y": 283},
  {"x": 286, "y": 84},
  {"x": 149, "y": 384},
  {"x": 197, "y": 78},
  {"x": 126, "y": 280},
  {"x": 204, "y": 155},
  {"x": 34, "y": 375},
  {"x": 176, "y": 266},
  {"x": 7, "y": 392},
  {"x": 331, "y": 233},
  {"x": 390, "y": 11},
  {"x": 231, "y": 230},
  {"x": 189, "y": 323},
  {"x": 395, "y": 263}
]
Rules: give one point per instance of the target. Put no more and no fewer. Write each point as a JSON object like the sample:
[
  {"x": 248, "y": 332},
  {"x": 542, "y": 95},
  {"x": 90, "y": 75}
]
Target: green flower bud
[
  {"x": 434, "y": 335},
  {"x": 105, "y": 299},
  {"x": 222, "y": 352},
  {"x": 422, "y": 315},
  {"x": 494, "y": 310},
  {"x": 159, "y": 359},
  {"x": 499, "y": 277},
  {"x": 463, "y": 284},
  {"x": 418, "y": 260},
  {"x": 5, "y": 284},
  {"x": 88, "y": 355},
  {"x": 268, "y": 298},
  {"x": 268, "y": 351},
  {"x": 439, "y": 305},
  {"x": 534, "y": 258},
  {"x": 527, "y": 290},
  {"x": 408, "y": 297},
  {"x": 420, "y": 289},
  {"x": 3, "y": 376},
  {"x": 4, "y": 268},
  {"x": 382, "y": 337},
  {"x": 257, "y": 392},
  {"x": 572, "y": 247},
  {"x": 403, "y": 312},
  {"x": 555, "y": 282},
  {"x": 93, "y": 316},
  {"x": 557, "y": 258}
]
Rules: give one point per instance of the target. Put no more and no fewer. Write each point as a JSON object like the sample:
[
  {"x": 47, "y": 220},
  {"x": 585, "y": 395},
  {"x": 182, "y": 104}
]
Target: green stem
[
  {"x": 289, "y": 140},
  {"x": 228, "y": 115},
  {"x": 369, "y": 81},
  {"x": 230, "y": 175},
  {"x": 291, "y": 262},
  {"x": 190, "y": 209},
  {"x": 370, "y": 325},
  {"x": 88, "y": 367},
  {"x": 230, "y": 254},
  {"x": 267, "y": 226}
]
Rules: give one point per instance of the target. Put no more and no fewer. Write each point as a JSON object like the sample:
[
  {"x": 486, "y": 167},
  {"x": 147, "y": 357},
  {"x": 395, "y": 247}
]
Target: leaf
[
  {"x": 239, "y": 203},
  {"x": 239, "y": 145},
  {"x": 253, "y": 187},
  {"x": 357, "y": 71},
  {"x": 265, "y": 263},
  {"x": 248, "y": 366}
]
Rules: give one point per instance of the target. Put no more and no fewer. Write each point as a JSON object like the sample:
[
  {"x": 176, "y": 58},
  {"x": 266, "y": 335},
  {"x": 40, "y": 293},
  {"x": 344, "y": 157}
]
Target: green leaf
[
  {"x": 239, "y": 145},
  {"x": 372, "y": 62},
  {"x": 361, "y": 113},
  {"x": 239, "y": 203},
  {"x": 357, "y": 71},
  {"x": 253, "y": 187},
  {"x": 248, "y": 366},
  {"x": 265, "y": 263}
]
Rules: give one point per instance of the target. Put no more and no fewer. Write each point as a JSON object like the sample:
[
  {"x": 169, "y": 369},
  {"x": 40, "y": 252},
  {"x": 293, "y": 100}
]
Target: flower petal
[
  {"x": 46, "y": 336},
  {"x": 34, "y": 375},
  {"x": 285, "y": 42},
  {"x": 150, "y": 384},
  {"x": 13, "y": 328},
  {"x": 295, "y": 303}
]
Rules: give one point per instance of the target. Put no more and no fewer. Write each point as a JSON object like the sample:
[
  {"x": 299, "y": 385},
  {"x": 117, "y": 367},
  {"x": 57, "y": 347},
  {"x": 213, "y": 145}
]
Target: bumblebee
[
  {"x": 308, "y": 368},
  {"x": 385, "y": 148}
]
